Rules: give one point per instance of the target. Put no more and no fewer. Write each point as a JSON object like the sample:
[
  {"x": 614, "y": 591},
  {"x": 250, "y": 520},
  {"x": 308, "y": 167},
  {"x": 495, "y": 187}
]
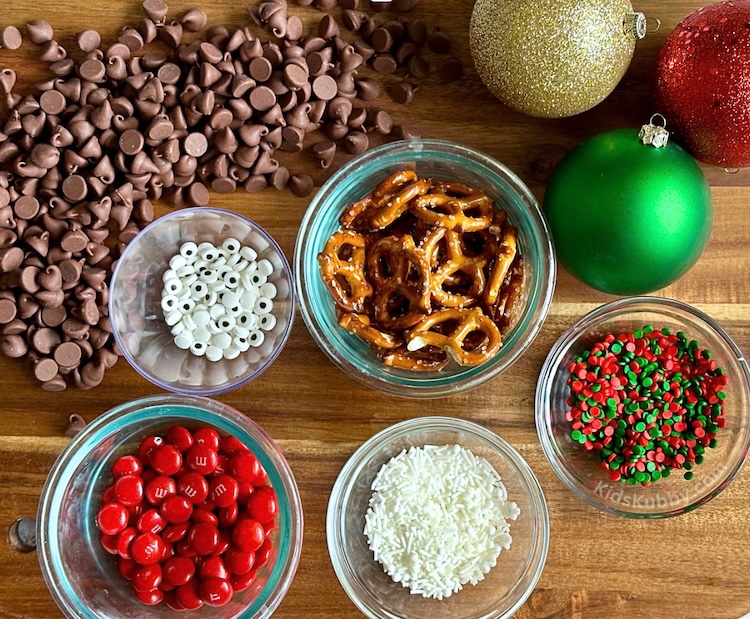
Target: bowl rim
[
  {"x": 356, "y": 462},
  {"x": 223, "y": 417},
  {"x": 280, "y": 342},
  {"x": 413, "y": 388},
  {"x": 542, "y": 409}
]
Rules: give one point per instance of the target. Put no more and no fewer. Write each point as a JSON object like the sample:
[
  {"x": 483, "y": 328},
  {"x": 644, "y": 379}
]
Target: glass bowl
[
  {"x": 505, "y": 587},
  {"x": 580, "y": 470},
  {"x": 83, "y": 578},
  {"x": 444, "y": 161},
  {"x": 138, "y": 321}
]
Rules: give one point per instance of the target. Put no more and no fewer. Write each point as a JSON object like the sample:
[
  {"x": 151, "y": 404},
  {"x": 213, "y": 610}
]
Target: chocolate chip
[
  {"x": 356, "y": 142},
  {"x": 13, "y": 346},
  {"x": 301, "y": 185},
  {"x": 8, "y": 311},
  {"x": 279, "y": 178},
  {"x": 54, "y": 316},
  {"x": 255, "y": 183},
  {"x": 416, "y": 31},
  {"x": 384, "y": 64},
  {"x": 381, "y": 40},
  {"x": 418, "y": 67},
  {"x": 39, "y": 31},
  {"x": 10, "y": 259},
  {"x": 45, "y": 340},
  {"x": 45, "y": 369},
  {"x": 450, "y": 70},
  {"x": 7, "y": 81},
  {"x": 368, "y": 89},
  {"x": 409, "y": 132},
  {"x": 68, "y": 354},
  {"x": 294, "y": 28},
  {"x": 74, "y": 188},
  {"x": 328, "y": 28},
  {"x": 325, "y": 87},
  {"x": 197, "y": 195},
  {"x": 324, "y": 152},
  {"x": 10, "y": 37},
  {"x": 357, "y": 118},
  {"x": 195, "y": 144},
  {"x": 88, "y": 40},
  {"x": 132, "y": 38},
  {"x": 26, "y": 207},
  {"x": 295, "y": 76},
  {"x": 353, "y": 19},
  {"x": 364, "y": 49},
  {"x": 156, "y": 10},
  {"x": 439, "y": 42},
  {"x": 403, "y": 92},
  {"x": 262, "y": 98},
  {"x": 382, "y": 122},
  {"x": 194, "y": 20}
]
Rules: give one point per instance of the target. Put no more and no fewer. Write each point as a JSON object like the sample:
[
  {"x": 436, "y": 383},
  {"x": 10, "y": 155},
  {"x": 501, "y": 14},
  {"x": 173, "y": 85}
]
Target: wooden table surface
[{"x": 694, "y": 566}]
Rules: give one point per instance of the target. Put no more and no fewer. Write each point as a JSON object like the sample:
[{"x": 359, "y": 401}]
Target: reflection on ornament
[
  {"x": 553, "y": 58},
  {"x": 703, "y": 83},
  {"x": 627, "y": 217}
]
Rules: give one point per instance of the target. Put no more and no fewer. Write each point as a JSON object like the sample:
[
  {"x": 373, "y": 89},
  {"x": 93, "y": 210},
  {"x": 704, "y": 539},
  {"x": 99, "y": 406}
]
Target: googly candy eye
[
  {"x": 231, "y": 245},
  {"x": 169, "y": 303},
  {"x": 189, "y": 250},
  {"x": 267, "y": 322},
  {"x": 172, "y": 286},
  {"x": 256, "y": 338},
  {"x": 214, "y": 353},
  {"x": 249, "y": 254},
  {"x": 198, "y": 348},
  {"x": 177, "y": 262},
  {"x": 263, "y": 305}
]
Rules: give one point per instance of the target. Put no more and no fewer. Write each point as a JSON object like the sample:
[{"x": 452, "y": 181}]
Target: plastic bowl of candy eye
[
  {"x": 75, "y": 554},
  {"x": 202, "y": 301},
  {"x": 411, "y": 297},
  {"x": 642, "y": 408},
  {"x": 465, "y": 504}
]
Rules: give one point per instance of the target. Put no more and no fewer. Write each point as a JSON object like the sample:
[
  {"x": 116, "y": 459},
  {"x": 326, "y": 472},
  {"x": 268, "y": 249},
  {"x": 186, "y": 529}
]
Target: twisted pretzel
[
  {"x": 402, "y": 275},
  {"x": 464, "y": 214},
  {"x": 359, "y": 324},
  {"x": 467, "y": 322},
  {"x": 343, "y": 274},
  {"x": 417, "y": 360},
  {"x": 448, "y": 270},
  {"x": 387, "y": 202},
  {"x": 506, "y": 253}
]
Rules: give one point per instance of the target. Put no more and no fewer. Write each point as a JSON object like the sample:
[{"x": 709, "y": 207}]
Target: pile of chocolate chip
[{"x": 82, "y": 158}]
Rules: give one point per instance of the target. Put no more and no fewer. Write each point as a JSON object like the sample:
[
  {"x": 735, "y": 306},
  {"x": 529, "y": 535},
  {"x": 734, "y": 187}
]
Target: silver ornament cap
[{"x": 653, "y": 134}]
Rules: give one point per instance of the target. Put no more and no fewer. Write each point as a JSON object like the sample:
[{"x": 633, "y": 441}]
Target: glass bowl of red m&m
[
  {"x": 643, "y": 408},
  {"x": 166, "y": 505}
]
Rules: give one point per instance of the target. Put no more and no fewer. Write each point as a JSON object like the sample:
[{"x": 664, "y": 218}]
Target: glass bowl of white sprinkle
[
  {"x": 437, "y": 518},
  {"x": 201, "y": 301}
]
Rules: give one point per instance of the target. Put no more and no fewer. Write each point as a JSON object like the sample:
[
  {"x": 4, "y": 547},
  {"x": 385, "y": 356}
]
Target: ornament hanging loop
[
  {"x": 652, "y": 24},
  {"x": 653, "y": 134}
]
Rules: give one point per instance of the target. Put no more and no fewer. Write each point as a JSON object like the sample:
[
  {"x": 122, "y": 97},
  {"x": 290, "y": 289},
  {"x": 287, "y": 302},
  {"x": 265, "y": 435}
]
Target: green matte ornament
[{"x": 629, "y": 212}]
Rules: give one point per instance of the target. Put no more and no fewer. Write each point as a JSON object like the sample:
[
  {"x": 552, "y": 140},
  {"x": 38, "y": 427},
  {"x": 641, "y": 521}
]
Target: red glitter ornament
[{"x": 703, "y": 83}]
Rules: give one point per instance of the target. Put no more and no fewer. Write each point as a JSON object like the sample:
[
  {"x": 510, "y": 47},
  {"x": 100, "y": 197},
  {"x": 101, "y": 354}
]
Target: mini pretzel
[
  {"x": 334, "y": 267},
  {"x": 468, "y": 321},
  {"x": 396, "y": 205},
  {"x": 417, "y": 360},
  {"x": 504, "y": 257},
  {"x": 469, "y": 214},
  {"x": 514, "y": 293},
  {"x": 357, "y": 215},
  {"x": 454, "y": 263},
  {"x": 408, "y": 280},
  {"x": 359, "y": 324}
]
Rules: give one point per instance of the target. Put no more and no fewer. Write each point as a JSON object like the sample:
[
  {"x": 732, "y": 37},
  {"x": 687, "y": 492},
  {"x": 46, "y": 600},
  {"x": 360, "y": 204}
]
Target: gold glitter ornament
[{"x": 553, "y": 58}]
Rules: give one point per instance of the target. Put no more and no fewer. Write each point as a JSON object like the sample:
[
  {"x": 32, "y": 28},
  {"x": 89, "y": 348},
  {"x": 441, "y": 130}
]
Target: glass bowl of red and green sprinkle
[{"x": 643, "y": 408}]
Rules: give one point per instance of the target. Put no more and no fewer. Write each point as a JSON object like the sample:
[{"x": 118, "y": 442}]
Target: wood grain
[{"x": 695, "y": 566}]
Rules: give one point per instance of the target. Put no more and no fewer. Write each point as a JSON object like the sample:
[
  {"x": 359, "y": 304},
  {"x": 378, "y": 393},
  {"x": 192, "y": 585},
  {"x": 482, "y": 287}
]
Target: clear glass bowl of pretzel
[{"x": 424, "y": 268}]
